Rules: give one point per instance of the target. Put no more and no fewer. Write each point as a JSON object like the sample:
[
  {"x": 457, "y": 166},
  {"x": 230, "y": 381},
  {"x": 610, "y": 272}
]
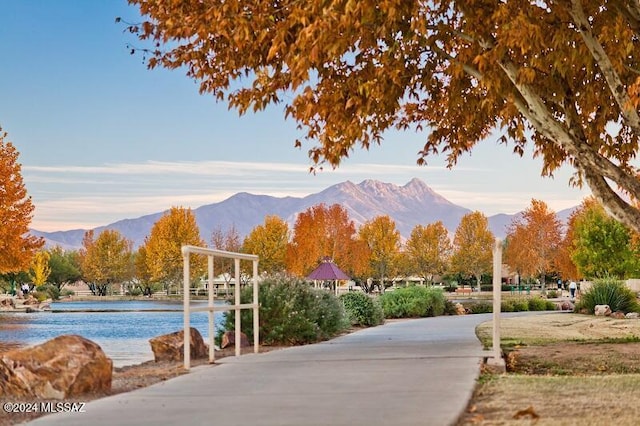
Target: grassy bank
[{"x": 562, "y": 369}]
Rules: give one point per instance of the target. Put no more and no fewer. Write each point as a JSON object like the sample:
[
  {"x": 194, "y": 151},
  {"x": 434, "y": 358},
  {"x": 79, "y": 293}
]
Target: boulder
[
  {"x": 7, "y": 303},
  {"x": 632, "y": 315},
  {"x": 31, "y": 301},
  {"x": 602, "y": 310},
  {"x": 618, "y": 315},
  {"x": 65, "y": 367},
  {"x": 170, "y": 347},
  {"x": 460, "y": 309},
  {"x": 229, "y": 339},
  {"x": 566, "y": 306}
]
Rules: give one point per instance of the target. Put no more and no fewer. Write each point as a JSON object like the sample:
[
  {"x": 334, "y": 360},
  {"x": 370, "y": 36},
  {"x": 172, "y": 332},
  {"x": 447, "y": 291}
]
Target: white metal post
[
  {"x": 212, "y": 327},
  {"x": 256, "y": 309},
  {"x": 497, "y": 302},
  {"x": 237, "y": 279},
  {"x": 187, "y": 325}
]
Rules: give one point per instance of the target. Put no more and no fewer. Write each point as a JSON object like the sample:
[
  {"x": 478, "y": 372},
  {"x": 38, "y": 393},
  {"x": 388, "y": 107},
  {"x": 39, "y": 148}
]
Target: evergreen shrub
[
  {"x": 413, "y": 302},
  {"x": 291, "y": 313},
  {"x": 362, "y": 309}
]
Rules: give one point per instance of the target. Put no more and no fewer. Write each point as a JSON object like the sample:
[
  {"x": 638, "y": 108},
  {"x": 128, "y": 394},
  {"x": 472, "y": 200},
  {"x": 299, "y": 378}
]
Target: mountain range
[{"x": 412, "y": 204}]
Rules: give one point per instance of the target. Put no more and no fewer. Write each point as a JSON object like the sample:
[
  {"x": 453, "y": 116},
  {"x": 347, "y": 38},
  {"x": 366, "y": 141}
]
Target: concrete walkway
[{"x": 415, "y": 372}]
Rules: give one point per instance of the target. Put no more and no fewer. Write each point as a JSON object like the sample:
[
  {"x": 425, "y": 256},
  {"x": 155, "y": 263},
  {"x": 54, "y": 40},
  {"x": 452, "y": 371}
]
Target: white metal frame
[{"x": 210, "y": 308}]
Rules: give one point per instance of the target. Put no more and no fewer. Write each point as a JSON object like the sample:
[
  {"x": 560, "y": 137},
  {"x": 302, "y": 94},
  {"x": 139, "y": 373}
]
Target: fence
[{"x": 187, "y": 251}]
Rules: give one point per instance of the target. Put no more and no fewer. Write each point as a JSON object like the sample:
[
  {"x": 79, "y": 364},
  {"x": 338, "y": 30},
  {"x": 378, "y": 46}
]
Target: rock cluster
[{"x": 64, "y": 367}]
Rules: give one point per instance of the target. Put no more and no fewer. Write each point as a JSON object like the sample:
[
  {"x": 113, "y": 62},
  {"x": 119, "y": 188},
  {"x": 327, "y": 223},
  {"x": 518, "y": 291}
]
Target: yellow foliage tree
[
  {"x": 473, "y": 247},
  {"x": 383, "y": 242},
  {"x": 429, "y": 250},
  {"x": 40, "y": 269},
  {"x": 105, "y": 260},
  {"x": 17, "y": 246},
  {"x": 163, "y": 247},
  {"x": 562, "y": 77},
  {"x": 269, "y": 242}
]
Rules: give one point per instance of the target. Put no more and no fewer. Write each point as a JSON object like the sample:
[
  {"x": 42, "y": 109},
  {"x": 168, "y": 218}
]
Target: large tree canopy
[{"x": 560, "y": 75}]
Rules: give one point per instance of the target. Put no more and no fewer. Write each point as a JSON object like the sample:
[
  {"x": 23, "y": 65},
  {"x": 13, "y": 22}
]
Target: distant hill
[{"x": 409, "y": 205}]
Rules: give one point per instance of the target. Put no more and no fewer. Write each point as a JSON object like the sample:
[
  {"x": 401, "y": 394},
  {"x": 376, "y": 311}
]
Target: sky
[{"x": 102, "y": 138}]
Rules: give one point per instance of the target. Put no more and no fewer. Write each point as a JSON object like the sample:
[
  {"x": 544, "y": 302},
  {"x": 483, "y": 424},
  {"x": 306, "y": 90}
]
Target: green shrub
[
  {"x": 291, "y": 313},
  {"x": 135, "y": 291},
  {"x": 520, "y": 305},
  {"x": 413, "y": 302},
  {"x": 537, "y": 304},
  {"x": 362, "y": 309},
  {"x": 66, "y": 292},
  {"x": 608, "y": 291},
  {"x": 481, "y": 308},
  {"x": 449, "y": 308},
  {"x": 47, "y": 291},
  {"x": 552, "y": 294},
  {"x": 507, "y": 306},
  {"x": 489, "y": 287}
]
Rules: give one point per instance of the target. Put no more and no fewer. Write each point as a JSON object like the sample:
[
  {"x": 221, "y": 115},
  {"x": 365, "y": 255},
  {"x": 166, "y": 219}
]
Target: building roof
[{"x": 327, "y": 270}]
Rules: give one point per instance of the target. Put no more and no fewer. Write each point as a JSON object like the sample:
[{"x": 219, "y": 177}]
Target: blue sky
[{"x": 102, "y": 138}]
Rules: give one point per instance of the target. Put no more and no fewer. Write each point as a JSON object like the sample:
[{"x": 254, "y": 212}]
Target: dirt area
[
  {"x": 562, "y": 369},
  {"x": 126, "y": 379}
]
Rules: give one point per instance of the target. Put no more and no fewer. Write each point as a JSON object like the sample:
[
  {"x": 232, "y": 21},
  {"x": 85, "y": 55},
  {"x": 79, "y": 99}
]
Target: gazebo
[{"x": 328, "y": 271}]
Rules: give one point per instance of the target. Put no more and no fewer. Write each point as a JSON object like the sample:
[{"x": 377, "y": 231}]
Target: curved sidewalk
[{"x": 414, "y": 372}]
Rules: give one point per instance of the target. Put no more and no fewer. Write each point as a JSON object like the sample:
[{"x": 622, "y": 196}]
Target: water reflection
[{"x": 122, "y": 329}]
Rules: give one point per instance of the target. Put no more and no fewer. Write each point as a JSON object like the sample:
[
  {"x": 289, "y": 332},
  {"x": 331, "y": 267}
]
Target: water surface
[{"x": 121, "y": 328}]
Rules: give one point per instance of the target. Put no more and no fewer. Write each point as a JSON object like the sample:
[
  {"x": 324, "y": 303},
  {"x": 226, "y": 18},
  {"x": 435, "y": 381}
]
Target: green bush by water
[
  {"x": 291, "y": 313},
  {"x": 608, "y": 291},
  {"x": 362, "y": 309},
  {"x": 413, "y": 302}
]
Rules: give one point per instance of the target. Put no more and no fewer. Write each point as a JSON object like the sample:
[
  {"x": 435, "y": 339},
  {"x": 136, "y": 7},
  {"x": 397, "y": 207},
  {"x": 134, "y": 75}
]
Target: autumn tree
[
  {"x": 552, "y": 75},
  {"x": 64, "y": 267},
  {"x": 429, "y": 250},
  {"x": 320, "y": 232},
  {"x": 563, "y": 260},
  {"x": 141, "y": 268},
  {"x": 603, "y": 246},
  {"x": 383, "y": 242},
  {"x": 17, "y": 246},
  {"x": 228, "y": 240},
  {"x": 105, "y": 260},
  {"x": 473, "y": 247},
  {"x": 40, "y": 268},
  {"x": 533, "y": 240},
  {"x": 163, "y": 246},
  {"x": 269, "y": 242}
]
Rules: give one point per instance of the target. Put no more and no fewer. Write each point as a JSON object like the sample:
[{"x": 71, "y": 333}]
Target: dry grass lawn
[{"x": 563, "y": 369}]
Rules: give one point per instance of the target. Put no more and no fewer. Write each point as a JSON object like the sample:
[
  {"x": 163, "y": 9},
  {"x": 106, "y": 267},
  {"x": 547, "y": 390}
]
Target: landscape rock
[
  {"x": 7, "y": 303},
  {"x": 229, "y": 339},
  {"x": 460, "y": 309},
  {"x": 64, "y": 367},
  {"x": 602, "y": 310},
  {"x": 632, "y": 315},
  {"x": 170, "y": 347},
  {"x": 618, "y": 315},
  {"x": 31, "y": 301},
  {"x": 566, "y": 306}
]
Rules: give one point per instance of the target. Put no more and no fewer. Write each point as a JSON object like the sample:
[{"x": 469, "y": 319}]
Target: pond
[{"x": 121, "y": 328}]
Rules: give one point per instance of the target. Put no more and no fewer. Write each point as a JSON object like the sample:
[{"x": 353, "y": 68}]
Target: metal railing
[{"x": 210, "y": 308}]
